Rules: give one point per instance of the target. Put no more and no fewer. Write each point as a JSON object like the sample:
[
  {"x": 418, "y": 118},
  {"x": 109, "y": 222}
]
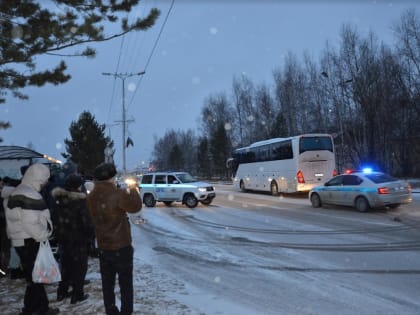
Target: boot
[
  {"x": 62, "y": 295},
  {"x": 16, "y": 273},
  {"x": 50, "y": 311},
  {"x": 78, "y": 298},
  {"x": 63, "y": 291}
]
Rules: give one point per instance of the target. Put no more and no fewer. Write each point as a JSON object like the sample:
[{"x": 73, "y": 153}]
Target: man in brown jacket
[{"x": 108, "y": 206}]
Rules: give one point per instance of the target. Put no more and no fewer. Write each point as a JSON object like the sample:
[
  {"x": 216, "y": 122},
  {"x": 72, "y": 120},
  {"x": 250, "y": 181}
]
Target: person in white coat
[
  {"x": 14, "y": 268},
  {"x": 29, "y": 223}
]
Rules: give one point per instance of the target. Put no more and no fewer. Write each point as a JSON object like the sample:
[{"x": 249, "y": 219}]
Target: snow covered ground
[
  {"x": 157, "y": 291},
  {"x": 153, "y": 293}
]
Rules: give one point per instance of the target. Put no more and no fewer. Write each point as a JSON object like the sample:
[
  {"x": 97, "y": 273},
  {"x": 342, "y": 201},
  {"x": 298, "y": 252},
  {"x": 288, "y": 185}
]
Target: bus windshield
[{"x": 315, "y": 144}]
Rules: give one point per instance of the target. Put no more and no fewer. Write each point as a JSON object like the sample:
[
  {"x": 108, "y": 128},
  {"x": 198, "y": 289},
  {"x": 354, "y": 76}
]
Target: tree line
[{"x": 364, "y": 92}]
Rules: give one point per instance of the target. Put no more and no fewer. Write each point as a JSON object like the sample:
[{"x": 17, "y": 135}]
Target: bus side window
[
  {"x": 283, "y": 151},
  {"x": 263, "y": 153}
]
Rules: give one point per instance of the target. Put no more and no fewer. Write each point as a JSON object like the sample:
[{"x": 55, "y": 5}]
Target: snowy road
[{"x": 258, "y": 254}]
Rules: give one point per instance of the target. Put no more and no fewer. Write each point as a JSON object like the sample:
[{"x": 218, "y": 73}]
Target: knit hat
[
  {"x": 73, "y": 182},
  {"x": 104, "y": 171}
]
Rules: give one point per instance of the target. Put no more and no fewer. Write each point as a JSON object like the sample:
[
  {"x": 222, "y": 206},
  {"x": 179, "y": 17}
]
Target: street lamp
[{"x": 123, "y": 76}]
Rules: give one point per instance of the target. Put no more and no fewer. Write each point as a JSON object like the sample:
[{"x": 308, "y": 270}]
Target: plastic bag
[{"x": 46, "y": 269}]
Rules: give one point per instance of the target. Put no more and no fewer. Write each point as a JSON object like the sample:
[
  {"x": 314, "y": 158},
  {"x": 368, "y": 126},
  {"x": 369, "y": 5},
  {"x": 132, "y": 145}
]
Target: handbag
[{"x": 46, "y": 268}]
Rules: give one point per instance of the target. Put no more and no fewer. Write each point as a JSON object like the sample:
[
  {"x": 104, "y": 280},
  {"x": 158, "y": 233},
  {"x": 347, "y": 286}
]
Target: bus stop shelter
[{"x": 12, "y": 158}]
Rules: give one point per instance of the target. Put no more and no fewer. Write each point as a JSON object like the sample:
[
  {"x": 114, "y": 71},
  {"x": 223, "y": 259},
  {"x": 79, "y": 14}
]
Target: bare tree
[
  {"x": 266, "y": 113},
  {"x": 188, "y": 143},
  {"x": 318, "y": 110},
  {"x": 243, "y": 93},
  {"x": 288, "y": 87},
  {"x": 162, "y": 149},
  {"x": 407, "y": 32},
  {"x": 217, "y": 122}
]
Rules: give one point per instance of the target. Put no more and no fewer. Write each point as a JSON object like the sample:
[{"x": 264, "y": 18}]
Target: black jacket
[{"x": 70, "y": 217}]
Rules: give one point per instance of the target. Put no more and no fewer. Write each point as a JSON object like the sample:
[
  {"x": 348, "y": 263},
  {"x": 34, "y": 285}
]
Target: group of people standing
[{"x": 75, "y": 217}]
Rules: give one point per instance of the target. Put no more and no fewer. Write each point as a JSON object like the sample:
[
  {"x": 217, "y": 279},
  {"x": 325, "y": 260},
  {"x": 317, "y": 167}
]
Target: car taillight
[
  {"x": 409, "y": 188},
  {"x": 300, "y": 178},
  {"x": 383, "y": 190},
  {"x": 334, "y": 173}
]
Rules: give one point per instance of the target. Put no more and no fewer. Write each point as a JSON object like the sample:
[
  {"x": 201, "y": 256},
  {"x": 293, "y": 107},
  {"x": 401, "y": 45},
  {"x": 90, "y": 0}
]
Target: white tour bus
[{"x": 288, "y": 165}]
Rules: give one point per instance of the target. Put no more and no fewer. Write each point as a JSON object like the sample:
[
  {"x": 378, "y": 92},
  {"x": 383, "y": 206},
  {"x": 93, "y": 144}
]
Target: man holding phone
[{"x": 108, "y": 206}]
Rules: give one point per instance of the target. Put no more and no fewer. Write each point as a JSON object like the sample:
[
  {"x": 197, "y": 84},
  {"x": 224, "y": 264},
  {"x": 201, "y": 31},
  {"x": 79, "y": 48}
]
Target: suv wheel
[
  {"x": 149, "y": 200},
  {"x": 207, "y": 201},
  {"x": 190, "y": 201}
]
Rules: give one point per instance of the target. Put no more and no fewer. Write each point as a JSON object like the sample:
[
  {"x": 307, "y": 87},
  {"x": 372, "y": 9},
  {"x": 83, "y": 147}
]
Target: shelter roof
[{"x": 11, "y": 152}]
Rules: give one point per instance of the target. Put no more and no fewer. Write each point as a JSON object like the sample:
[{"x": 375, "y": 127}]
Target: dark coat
[
  {"x": 71, "y": 218},
  {"x": 108, "y": 206}
]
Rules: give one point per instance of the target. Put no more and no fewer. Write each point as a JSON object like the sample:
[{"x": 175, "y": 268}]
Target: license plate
[{"x": 319, "y": 174}]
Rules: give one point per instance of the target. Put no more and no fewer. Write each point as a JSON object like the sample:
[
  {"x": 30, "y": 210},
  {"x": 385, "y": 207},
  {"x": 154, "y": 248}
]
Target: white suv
[{"x": 175, "y": 186}]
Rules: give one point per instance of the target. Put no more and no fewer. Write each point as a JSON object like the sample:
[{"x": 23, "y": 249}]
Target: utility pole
[{"x": 124, "y": 121}]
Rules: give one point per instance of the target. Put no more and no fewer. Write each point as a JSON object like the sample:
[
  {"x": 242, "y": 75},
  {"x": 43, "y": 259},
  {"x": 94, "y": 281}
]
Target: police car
[
  {"x": 169, "y": 187},
  {"x": 364, "y": 190}
]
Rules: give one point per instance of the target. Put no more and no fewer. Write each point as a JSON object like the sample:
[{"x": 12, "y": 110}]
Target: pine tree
[
  {"x": 220, "y": 148},
  {"x": 203, "y": 158},
  {"x": 30, "y": 28},
  {"x": 87, "y": 145},
  {"x": 175, "y": 159}
]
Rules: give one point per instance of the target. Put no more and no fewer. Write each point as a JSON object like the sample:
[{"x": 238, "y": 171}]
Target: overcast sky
[{"x": 200, "y": 49}]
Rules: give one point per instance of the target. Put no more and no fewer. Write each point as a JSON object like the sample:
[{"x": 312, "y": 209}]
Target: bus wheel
[
  {"x": 316, "y": 201},
  {"x": 274, "y": 188},
  {"x": 242, "y": 186}
]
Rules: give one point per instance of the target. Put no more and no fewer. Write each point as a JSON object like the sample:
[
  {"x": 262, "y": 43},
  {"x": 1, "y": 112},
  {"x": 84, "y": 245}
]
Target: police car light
[{"x": 367, "y": 170}]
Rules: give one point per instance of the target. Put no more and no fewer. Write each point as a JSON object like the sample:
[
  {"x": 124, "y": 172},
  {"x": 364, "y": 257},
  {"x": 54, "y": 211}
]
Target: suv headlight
[
  {"x": 202, "y": 189},
  {"x": 130, "y": 182}
]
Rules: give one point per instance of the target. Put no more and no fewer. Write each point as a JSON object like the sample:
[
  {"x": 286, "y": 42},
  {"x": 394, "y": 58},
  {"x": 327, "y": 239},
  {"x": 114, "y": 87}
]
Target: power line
[
  {"x": 116, "y": 70},
  {"x": 124, "y": 76},
  {"x": 153, "y": 50}
]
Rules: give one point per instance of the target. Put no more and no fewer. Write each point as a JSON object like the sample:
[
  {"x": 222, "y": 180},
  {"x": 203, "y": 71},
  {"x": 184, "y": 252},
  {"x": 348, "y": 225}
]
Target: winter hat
[
  {"x": 104, "y": 171},
  {"x": 73, "y": 182}
]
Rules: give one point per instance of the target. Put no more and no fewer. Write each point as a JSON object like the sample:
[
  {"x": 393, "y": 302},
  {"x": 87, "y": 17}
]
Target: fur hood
[{"x": 59, "y": 192}]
